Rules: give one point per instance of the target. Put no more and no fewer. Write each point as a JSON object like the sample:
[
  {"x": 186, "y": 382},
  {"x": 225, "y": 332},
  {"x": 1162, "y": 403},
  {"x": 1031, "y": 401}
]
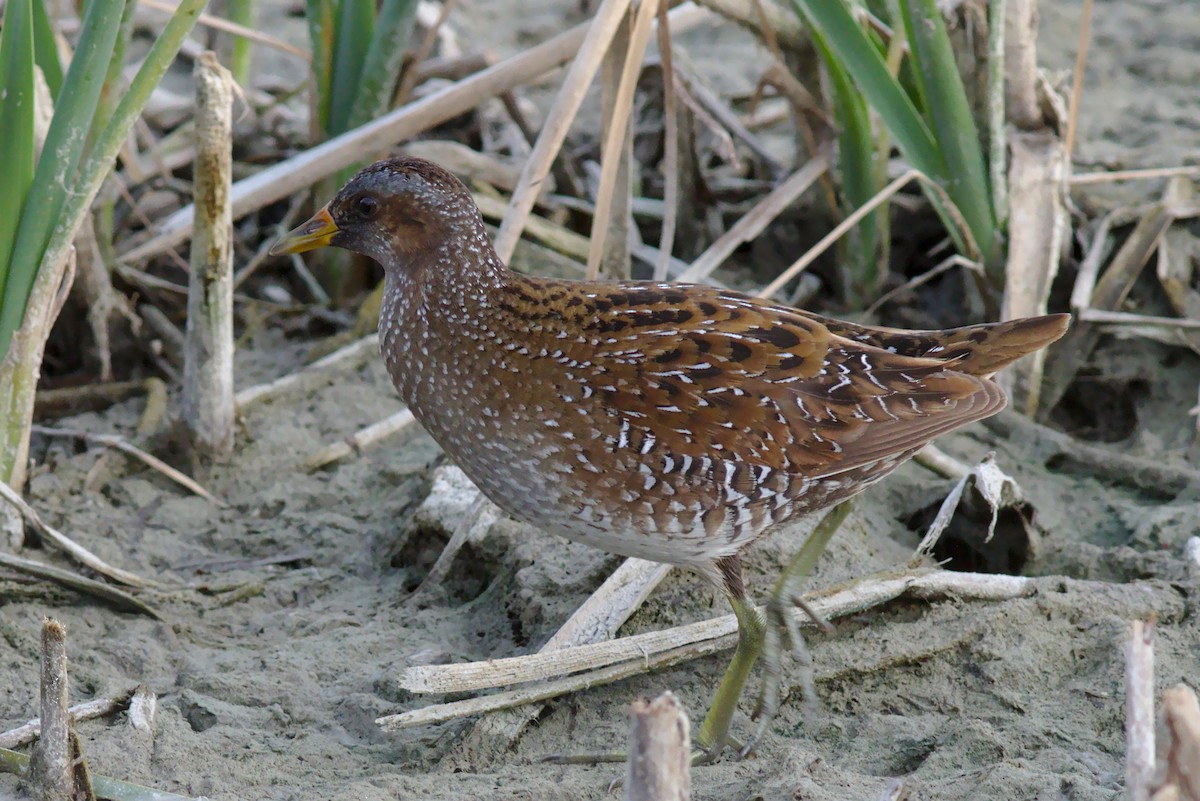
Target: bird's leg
[
  {"x": 783, "y": 635},
  {"x": 714, "y": 731}
]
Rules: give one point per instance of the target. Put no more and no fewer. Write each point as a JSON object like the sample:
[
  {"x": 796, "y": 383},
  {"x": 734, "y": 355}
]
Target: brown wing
[{"x": 715, "y": 375}]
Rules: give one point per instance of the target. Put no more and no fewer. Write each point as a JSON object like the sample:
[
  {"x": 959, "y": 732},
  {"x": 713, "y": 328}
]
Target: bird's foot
[{"x": 781, "y": 639}]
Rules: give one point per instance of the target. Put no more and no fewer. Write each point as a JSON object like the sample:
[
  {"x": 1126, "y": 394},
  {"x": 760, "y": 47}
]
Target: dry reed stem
[
  {"x": 934, "y": 459},
  {"x": 207, "y": 397},
  {"x": 1115, "y": 318},
  {"x": 472, "y": 165},
  {"x": 225, "y": 26},
  {"x": 845, "y": 225},
  {"x": 1086, "y": 178},
  {"x": 1021, "y": 100},
  {"x": 1089, "y": 268},
  {"x": 1115, "y": 284},
  {"x": 596, "y": 620},
  {"x": 1085, "y": 38},
  {"x": 96, "y": 708},
  {"x": 997, "y": 121},
  {"x": 591, "y": 51},
  {"x": 945, "y": 264},
  {"x": 666, "y": 242},
  {"x": 660, "y": 746},
  {"x": 411, "y": 73},
  {"x": 1139, "y": 710},
  {"x": 1037, "y": 224},
  {"x": 753, "y": 222},
  {"x": 764, "y": 18},
  {"x": 350, "y": 357},
  {"x": 612, "y": 222},
  {"x": 304, "y": 169},
  {"x": 50, "y": 772},
  {"x": 68, "y": 546},
  {"x": 364, "y": 437},
  {"x": 74, "y": 581},
  {"x": 640, "y": 653},
  {"x": 723, "y": 117},
  {"x": 552, "y": 235}
]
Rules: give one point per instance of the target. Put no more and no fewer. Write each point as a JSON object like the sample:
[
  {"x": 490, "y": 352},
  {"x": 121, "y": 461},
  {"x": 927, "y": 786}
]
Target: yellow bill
[{"x": 313, "y": 234}]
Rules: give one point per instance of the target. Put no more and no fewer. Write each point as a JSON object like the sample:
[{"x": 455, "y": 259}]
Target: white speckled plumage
[{"x": 671, "y": 422}]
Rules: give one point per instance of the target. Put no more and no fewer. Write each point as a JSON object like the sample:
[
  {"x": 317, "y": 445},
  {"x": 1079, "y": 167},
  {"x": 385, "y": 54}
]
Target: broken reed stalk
[
  {"x": 208, "y": 357},
  {"x": 1139, "y": 710},
  {"x": 50, "y": 765},
  {"x": 1038, "y": 225},
  {"x": 659, "y": 751}
]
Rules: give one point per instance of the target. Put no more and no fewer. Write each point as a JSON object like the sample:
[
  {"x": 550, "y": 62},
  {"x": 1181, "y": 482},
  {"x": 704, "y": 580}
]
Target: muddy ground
[{"x": 290, "y": 621}]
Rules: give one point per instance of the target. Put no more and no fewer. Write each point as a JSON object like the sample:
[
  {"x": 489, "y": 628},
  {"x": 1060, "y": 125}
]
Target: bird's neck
[{"x": 431, "y": 307}]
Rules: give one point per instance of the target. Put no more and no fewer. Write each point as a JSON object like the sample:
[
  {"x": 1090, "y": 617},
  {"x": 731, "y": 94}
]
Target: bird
[{"x": 671, "y": 422}]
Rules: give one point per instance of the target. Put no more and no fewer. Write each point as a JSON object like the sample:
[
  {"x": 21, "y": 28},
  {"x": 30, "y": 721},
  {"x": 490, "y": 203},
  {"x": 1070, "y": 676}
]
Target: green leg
[
  {"x": 783, "y": 635},
  {"x": 770, "y": 636},
  {"x": 714, "y": 731}
]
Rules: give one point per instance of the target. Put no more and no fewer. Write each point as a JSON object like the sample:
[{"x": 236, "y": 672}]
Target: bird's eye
[{"x": 366, "y": 206}]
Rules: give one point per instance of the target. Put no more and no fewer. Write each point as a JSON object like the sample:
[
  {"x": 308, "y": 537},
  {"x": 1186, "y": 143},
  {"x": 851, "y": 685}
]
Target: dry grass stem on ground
[
  {"x": 96, "y": 708},
  {"x": 118, "y": 598},
  {"x": 123, "y": 445},
  {"x": 1085, "y": 38},
  {"x": 671, "y": 162},
  {"x": 207, "y": 399},
  {"x": 1114, "y": 286},
  {"x": 1083, "y": 179},
  {"x": 660, "y": 751},
  {"x": 644, "y": 652},
  {"x": 364, "y": 437},
  {"x": 349, "y": 357},
  {"x": 68, "y": 546},
  {"x": 596, "y": 620},
  {"x": 845, "y": 225}
]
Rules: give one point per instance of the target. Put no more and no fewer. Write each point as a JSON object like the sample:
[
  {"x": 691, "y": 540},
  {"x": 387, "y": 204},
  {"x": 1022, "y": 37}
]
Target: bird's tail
[{"x": 980, "y": 350}]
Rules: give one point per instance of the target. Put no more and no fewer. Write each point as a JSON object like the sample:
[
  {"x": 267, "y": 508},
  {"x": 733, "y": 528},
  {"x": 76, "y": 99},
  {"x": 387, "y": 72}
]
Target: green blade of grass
[
  {"x": 242, "y": 13},
  {"x": 856, "y": 164},
  {"x": 381, "y": 68},
  {"x": 321, "y": 27},
  {"x": 355, "y": 27},
  {"x": 862, "y": 60},
  {"x": 55, "y": 176},
  {"x": 103, "y": 153},
  {"x": 949, "y": 115},
  {"x": 45, "y": 49},
  {"x": 16, "y": 134},
  {"x": 114, "y": 82}
]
